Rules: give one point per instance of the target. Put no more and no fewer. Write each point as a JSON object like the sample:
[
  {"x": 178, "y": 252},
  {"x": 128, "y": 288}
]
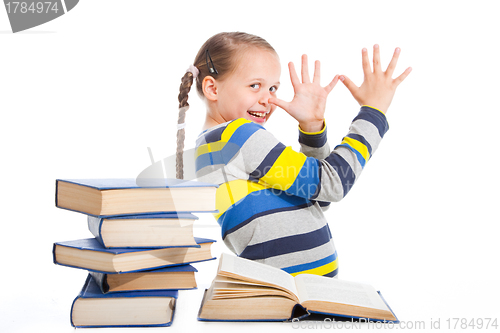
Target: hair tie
[
  {"x": 182, "y": 110},
  {"x": 193, "y": 70}
]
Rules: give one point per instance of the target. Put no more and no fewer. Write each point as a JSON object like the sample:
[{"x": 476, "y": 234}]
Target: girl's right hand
[
  {"x": 378, "y": 87},
  {"x": 309, "y": 101}
]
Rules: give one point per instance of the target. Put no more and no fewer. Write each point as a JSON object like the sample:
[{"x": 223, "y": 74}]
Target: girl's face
[{"x": 246, "y": 92}]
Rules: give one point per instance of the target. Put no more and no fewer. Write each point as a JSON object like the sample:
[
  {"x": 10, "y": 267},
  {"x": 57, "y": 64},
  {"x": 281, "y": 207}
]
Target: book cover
[
  {"x": 245, "y": 290},
  {"x": 103, "y": 280},
  {"x": 324, "y": 314},
  {"x": 122, "y": 196},
  {"x": 92, "y": 308},
  {"x": 89, "y": 254},
  {"x": 144, "y": 230},
  {"x": 130, "y": 183}
]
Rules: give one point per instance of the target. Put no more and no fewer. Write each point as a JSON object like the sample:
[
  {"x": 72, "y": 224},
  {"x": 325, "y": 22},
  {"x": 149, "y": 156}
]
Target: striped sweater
[{"x": 271, "y": 198}]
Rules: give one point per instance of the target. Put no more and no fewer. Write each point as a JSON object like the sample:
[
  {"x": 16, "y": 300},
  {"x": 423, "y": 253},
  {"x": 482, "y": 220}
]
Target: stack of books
[{"x": 139, "y": 256}]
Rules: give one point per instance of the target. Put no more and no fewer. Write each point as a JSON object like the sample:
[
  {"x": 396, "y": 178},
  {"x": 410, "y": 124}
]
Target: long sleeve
[
  {"x": 270, "y": 197},
  {"x": 315, "y": 145},
  {"x": 255, "y": 154}
]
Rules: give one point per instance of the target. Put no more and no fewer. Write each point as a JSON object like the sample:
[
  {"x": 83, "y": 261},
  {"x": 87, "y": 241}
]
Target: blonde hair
[{"x": 223, "y": 49}]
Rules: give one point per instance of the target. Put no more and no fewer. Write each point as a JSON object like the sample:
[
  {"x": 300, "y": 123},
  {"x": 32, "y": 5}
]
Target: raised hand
[
  {"x": 309, "y": 102},
  {"x": 378, "y": 87}
]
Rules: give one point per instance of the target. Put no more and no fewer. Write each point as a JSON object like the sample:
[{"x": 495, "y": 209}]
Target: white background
[{"x": 84, "y": 96}]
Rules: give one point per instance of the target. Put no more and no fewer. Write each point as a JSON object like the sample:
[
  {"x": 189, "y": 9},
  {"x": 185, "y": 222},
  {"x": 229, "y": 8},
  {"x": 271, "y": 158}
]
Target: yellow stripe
[
  {"x": 285, "y": 169},
  {"x": 322, "y": 270},
  {"x": 231, "y": 128},
  {"x": 210, "y": 147},
  {"x": 360, "y": 147},
  {"x": 225, "y": 136},
  {"x": 312, "y": 133},
  {"x": 373, "y": 108},
  {"x": 231, "y": 192}
]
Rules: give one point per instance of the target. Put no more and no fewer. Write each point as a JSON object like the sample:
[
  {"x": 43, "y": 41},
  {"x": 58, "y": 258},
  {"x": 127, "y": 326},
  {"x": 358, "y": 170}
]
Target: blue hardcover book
[
  {"x": 173, "y": 278},
  {"x": 89, "y": 254},
  {"x": 144, "y": 231},
  {"x": 245, "y": 290},
  {"x": 113, "y": 197},
  {"x": 92, "y": 308}
]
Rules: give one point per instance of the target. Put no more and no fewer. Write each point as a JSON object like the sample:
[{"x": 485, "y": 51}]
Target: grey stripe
[
  {"x": 319, "y": 153},
  {"x": 368, "y": 131},
  {"x": 288, "y": 223},
  {"x": 303, "y": 257},
  {"x": 331, "y": 186}
]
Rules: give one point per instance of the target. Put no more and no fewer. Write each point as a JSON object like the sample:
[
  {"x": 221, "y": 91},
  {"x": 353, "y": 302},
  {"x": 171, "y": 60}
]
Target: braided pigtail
[
  {"x": 218, "y": 63},
  {"x": 185, "y": 87}
]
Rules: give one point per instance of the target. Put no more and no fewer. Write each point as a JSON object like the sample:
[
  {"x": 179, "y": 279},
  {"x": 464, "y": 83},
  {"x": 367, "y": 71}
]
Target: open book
[{"x": 248, "y": 290}]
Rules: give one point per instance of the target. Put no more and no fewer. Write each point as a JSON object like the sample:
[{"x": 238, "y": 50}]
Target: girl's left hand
[{"x": 309, "y": 102}]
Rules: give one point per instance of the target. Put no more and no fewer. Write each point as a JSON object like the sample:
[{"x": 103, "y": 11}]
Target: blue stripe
[
  {"x": 268, "y": 162},
  {"x": 255, "y": 203},
  {"x": 343, "y": 169},
  {"x": 231, "y": 148},
  {"x": 375, "y": 117},
  {"x": 361, "y": 139},
  {"x": 243, "y": 132},
  {"x": 306, "y": 183},
  {"x": 311, "y": 265},
  {"x": 332, "y": 273},
  {"x": 289, "y": 244},
  {"x": 202, "y": 161},
  {"x": 313, "y": 140},
  {"x": 212, "y": 136},
  {"x": 266, "y": 213},
  {"x": 320, "y": 170},
  {"x": 223, "y": 156},
  {"x": 213, "y": 158},
  {"x": 360, "y": 157}
]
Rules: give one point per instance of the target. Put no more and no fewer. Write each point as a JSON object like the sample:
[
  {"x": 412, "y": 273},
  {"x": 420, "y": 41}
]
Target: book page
[
  {"x": 226, "y": 279},
  {"x": 257, "y": 271},
  {"x": 319, "y": 288},
  {"x": 234, "y": 290}
]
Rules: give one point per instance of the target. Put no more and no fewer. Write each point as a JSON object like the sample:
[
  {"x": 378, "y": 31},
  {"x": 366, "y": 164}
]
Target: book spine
[
  {"x": 54, "y": 254},
  {"x": 56, "y": 192},
  {"x": 95, "y": 225},
  {"x": 85, "y": 286},
  {"x": 135, "y": 270},
  {"x": 101, "y": 280}
]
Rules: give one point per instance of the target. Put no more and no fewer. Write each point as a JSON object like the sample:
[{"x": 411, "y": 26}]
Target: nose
[{"x": 264, "y": 98}]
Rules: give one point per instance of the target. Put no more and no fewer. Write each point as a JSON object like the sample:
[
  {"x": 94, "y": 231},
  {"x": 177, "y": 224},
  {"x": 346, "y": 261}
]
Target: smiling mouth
[{"x": 261, "y": 115}]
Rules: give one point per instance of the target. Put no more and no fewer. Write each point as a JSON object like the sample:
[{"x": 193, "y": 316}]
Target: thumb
[
  {"x": 349, "y": 84},
  {"x": 279, "y": 103}
]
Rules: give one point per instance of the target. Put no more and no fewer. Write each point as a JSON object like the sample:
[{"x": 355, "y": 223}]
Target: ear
[{"x": 209, "y": 87}]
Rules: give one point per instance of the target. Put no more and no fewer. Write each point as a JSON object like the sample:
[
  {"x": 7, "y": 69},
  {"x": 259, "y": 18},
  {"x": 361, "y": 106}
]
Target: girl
[{"x": 271, "y": 198}]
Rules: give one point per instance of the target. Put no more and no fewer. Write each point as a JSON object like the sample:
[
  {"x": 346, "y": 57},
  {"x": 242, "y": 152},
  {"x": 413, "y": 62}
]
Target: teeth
[{"x": 257, "y": 114}]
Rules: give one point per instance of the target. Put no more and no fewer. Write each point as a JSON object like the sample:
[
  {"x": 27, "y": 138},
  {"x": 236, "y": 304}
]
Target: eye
[
  {"x": 273, "y": 89},
  {"x": 255, "y": 86}
]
